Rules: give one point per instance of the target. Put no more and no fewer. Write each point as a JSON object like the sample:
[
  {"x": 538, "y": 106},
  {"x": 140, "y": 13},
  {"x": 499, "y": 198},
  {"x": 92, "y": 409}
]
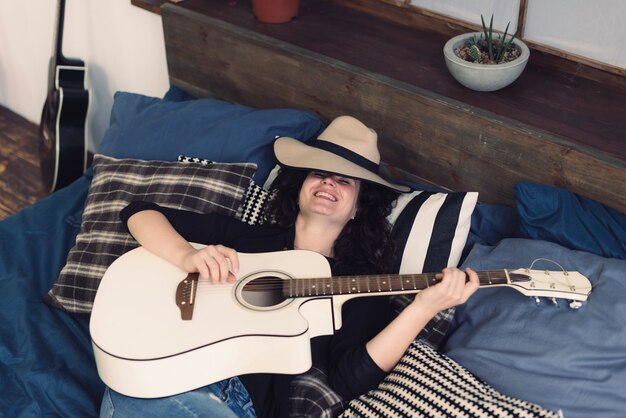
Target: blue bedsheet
[{"x": 46, "y": 360}]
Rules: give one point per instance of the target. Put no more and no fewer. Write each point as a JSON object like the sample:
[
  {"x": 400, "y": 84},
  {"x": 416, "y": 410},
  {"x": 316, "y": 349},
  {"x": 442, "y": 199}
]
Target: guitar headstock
[{"x": 569, "y": 285}]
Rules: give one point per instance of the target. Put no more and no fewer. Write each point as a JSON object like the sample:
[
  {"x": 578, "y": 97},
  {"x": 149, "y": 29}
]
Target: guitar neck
[
  {"x": 382, "y": 284},
  {"x": 57, "y": 58},
  {"x": 57, "y": 45}
]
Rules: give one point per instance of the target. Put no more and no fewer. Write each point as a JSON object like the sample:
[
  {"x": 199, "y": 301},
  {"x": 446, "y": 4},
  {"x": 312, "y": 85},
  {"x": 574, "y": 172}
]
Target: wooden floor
[{"x": 20, "y": 180}]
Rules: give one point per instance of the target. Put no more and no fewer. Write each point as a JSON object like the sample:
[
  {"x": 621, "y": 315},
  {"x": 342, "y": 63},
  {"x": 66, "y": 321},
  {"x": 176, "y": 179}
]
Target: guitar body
[
  {"x": 63, "y": 125},
  {"x": 144, "y": 349}
]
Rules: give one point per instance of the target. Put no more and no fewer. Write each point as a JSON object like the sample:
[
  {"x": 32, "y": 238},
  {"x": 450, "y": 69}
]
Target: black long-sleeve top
[{"x": 351, "y": 371}]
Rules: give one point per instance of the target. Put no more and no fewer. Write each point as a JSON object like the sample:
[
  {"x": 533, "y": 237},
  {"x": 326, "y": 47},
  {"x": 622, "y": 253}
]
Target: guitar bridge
[{"x": 186, "y": 296}]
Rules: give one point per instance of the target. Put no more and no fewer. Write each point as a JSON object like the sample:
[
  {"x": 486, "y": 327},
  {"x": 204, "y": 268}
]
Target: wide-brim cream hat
[{"x": 346, "y": 147}]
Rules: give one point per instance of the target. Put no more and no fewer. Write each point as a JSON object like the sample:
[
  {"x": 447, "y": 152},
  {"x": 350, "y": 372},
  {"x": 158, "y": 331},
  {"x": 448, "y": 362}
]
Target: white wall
[
  {"x": 504, "y": 11},
  {"x": 594, "y": 29},
  {"x": 122, "y": 46}
]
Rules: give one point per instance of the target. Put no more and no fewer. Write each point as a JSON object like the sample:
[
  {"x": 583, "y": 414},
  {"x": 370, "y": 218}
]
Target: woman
[{"x": 330, "y": 200}]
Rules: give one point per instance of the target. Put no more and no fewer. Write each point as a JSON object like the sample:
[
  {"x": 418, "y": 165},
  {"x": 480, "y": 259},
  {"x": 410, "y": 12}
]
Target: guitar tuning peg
[
  {"x": 537, "y": 300},
  {"x": 575, "y": 304},
  {"x": 555, "y": 302}
]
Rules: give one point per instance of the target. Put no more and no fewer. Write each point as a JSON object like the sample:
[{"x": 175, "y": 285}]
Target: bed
[{"x": 539, "y": 352}]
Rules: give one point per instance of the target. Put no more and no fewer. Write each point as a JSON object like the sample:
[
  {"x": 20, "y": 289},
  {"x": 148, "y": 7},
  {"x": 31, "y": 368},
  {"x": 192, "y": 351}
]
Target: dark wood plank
[
  {"x": 429, "y": 126},
  {"x": 20, "y": 178}
]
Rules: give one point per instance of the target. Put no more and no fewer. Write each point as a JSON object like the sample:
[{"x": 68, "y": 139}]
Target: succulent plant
[
  {"x": 474, "y": 52},
  {"x": 496, "y": 47}
]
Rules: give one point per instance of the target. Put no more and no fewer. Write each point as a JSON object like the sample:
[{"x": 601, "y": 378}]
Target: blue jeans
[{"x": 225, "y": 399}]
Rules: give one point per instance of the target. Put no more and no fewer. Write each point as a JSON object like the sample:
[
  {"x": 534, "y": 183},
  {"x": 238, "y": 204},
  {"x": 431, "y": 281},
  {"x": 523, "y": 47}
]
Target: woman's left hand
[{"x": 454, "y": 289}]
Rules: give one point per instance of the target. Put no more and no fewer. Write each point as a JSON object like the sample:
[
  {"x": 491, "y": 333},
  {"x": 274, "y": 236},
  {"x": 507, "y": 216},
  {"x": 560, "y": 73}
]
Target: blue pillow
[
  {"x": 175, "y": 94},
  {"x": 563, "y": 217},
  {"x": 491, "y": 223},
  {"x": 150, "y": 128},
  {"x": 557, "y": 357}
]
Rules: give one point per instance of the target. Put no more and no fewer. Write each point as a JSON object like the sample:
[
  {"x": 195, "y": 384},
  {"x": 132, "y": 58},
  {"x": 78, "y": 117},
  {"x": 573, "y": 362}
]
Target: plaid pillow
[
  {"x": 102, "y": 237},
  {"x": 254, "y": 201}
]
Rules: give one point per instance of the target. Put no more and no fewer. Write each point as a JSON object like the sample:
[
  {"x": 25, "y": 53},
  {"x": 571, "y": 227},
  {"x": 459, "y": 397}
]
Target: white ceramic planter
[{"x": 482, "y": 77}]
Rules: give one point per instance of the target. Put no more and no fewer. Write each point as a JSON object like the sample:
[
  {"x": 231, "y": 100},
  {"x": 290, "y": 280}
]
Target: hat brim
[{"x": 295, "y": 154}]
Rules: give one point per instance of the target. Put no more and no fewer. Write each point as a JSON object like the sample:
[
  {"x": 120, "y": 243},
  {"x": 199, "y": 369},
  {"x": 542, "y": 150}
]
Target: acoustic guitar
[
  {"x": 158, "y": 331},
  {"x": 63, "y": 126}
]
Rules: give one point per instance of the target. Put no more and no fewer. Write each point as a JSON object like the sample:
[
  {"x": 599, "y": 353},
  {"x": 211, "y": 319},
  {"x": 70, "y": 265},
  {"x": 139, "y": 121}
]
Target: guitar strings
[
  {"x": 357, "y": 284},
  {"x": 344, "y": 282}
]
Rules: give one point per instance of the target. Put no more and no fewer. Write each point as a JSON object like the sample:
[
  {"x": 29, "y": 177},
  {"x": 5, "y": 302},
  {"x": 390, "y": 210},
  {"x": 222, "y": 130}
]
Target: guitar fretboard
[{"x": 383, "y": 284}]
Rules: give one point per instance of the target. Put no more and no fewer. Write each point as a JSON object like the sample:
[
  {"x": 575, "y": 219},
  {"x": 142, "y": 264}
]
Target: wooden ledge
[{"x": 547, "y": 96}]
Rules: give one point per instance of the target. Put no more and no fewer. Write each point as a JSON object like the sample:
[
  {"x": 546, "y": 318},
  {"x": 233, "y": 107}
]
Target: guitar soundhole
[{"x": 263, "y": 292}]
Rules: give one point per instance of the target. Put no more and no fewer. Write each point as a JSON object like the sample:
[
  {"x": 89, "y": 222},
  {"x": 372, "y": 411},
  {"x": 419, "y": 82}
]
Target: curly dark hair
[{"x": 365, "y": 242}]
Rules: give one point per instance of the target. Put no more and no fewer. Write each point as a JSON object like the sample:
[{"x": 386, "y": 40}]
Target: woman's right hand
[{"x": 213, "y": 262}]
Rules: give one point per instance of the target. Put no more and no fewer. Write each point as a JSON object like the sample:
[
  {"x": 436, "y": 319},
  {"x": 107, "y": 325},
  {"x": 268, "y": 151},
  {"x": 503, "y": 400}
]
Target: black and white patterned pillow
[
  {"x": 102, "y": 236},
  {"x": 197, "y": 160},
  {"x": 255, "y": 204},
  {"x": 426, "y": 383}
]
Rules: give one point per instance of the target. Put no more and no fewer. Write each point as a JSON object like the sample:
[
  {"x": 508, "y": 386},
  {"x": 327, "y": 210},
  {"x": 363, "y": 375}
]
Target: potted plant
[{"x": 483, "y": 62}]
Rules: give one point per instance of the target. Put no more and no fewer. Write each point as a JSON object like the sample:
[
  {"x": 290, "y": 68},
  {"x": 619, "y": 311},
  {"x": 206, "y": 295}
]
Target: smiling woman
[{"x": 331, "y": 197}]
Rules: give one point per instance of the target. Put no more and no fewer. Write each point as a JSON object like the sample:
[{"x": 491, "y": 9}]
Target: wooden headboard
[{"x": 445, "y": 135}]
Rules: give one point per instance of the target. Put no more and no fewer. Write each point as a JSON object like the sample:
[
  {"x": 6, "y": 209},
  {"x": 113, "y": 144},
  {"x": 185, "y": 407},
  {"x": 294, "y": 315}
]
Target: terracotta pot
[{"x": 275, "y": 11}]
